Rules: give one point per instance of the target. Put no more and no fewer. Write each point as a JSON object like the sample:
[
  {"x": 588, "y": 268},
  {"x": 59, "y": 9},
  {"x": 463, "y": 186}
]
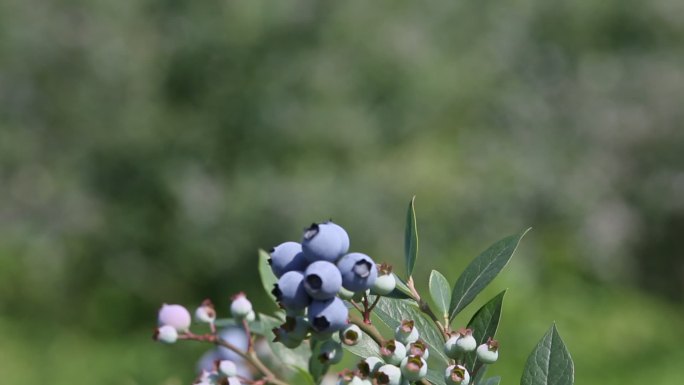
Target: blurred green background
[{"x": 148, "y": 148}]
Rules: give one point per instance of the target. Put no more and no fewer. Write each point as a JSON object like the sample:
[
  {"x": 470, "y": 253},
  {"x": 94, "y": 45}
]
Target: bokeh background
[{"x": 148, "y": 148}]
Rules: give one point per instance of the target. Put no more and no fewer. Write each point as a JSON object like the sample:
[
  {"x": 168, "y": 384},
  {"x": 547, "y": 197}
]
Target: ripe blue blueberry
[
  {"x": 286, "y": 257},
  {"x": 322, "y": 280},
  {"x": 328, "y": 316},
  {"x": 238, "y": 338},
  {"x": 358, "y": 271},
  {"x": 324, "y": 241},
  {"x": 290, "y": 292}
]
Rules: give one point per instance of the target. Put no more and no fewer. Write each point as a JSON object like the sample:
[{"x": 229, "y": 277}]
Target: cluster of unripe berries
[
  {"x": 403, "y": 360},
  {"x": 314, "y": 276},
  {"x": 174, "y": 322}
]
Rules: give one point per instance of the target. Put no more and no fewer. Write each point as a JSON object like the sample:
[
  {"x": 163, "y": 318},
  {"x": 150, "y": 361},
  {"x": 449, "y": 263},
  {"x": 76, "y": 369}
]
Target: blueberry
[
  {"x": 227, "y": 368},
  {"x": 166, "y": 334},
  {"x": 358, "y": 271},
  {"x": 456, "y": 375},
  {"x": 324, "y": 241},
  {"x": 488, "y": 352},
  {"x": 238, "y": 338},
  {"x": 370, "y": 366},
  {"x": 419, "y": 348},
  {"x": 331, "y": 352},
  {"x": 460, "y": 341},
  {"x": 393, "y": 352},
  {"x": 176, "y": 316},
  {"x": 240, "y": 307},
  {"x": 206, "y": 313},
  {"x": 384, "y": 284},
  {"x": 406, "y": 332},
  {"x": 351, "y": 335},
  {"x": 328, "y": 316},
  {"x": 286, "y": 257},
  {"x": 388, "y": 375},
  {"x": 414, "y": 368},
  {"x": 322, "y": 280},
  {"x": 290, "y": 292}
]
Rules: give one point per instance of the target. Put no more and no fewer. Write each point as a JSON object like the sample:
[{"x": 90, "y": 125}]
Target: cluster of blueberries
[{"x": 312, "y": 276}]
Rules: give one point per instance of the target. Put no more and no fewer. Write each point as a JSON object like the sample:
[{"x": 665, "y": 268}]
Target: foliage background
[{"x": 148, "y": 148}]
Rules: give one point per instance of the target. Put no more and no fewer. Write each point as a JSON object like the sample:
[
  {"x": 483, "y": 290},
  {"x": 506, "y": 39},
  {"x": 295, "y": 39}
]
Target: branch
[{"x": 369, "y": 329}]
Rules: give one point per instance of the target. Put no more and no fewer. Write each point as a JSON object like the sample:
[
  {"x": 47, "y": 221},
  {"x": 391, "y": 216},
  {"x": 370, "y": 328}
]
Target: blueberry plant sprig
[{"x": 331, "y": 300}]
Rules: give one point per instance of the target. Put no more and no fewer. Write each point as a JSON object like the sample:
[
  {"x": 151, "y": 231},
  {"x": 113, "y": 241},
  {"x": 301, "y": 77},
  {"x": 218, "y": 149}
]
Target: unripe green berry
[
  {"x": 456, "y": 375},
  {"x": 166, "y": 334},
  {"x": 347, "y": 377},
  {"x": 488, "y": 352},
  {"x": 406, "y": 332},
  {"x": 459, "y": 342},
  {"x": 419, "y": 348},
  {"x": 414, "y": 368},
  {"x": 227, "y": 368},
  {"x": 240, "y": 307},
  {"x": 351, "y": 335},
  {"x": 205, "y": 313},
  {"x": 388, "y": 375},
  {"x": 369, "y": 366},
  {"x": 345, "y": 294},
  {"x": 393, "y": 352},
  {"x": 330, "y": 353},
  {"x": 384, "y": 284}
]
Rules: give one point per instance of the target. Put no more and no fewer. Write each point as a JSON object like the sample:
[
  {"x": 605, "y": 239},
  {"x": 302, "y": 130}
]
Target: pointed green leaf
[
  {"x": 482, "y": 271},
  {"x": 268, "y": 279},
  {"x": 435, "y": 377},
  {"x": 411, "y": 238},
  {"x": 392, "y": 311},
  {"x": 491, "y": 381},
  {"x": 302, "y": 377},
  {"x": 484, "y": 324},
  {"x": 550, "y": 362},
  {"x": 440, "y": 291}
]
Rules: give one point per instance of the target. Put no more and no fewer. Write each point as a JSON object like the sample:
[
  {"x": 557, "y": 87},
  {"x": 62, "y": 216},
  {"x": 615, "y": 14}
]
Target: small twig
[
  {"x": 250, "y": 339},
  {"x": 357, "y": 307},
  {"x": 249, "y": 356},
  {"x": 375, "y": 302},
  {"x": 425, "y": 308},
  {"x": 369, "y": 329}
]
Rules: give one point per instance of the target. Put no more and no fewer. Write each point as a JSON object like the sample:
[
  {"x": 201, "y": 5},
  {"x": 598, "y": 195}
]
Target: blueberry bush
[{"x": 332, "y": 301}]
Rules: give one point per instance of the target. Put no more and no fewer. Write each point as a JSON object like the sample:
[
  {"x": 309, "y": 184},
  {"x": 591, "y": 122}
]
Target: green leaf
[
  {"x": 392, "y": 311},
  {"x": 402, "y": 286},
  {"x": 411, "y": 238},
  {"x": 440, "y": 291},
  {"x": 302, "y": 376},
  {"x": 268, "y": 279},
  {"x": 478, "y": 378},
  {"x": 491, "y": 381},
  {"x": 484, "y": 324},
  {"x": 365, "y": 348},
  {"x": 482, "y": 271},
  {"x": 435, "y": 377},
  {"x": 550, "y": 362}
]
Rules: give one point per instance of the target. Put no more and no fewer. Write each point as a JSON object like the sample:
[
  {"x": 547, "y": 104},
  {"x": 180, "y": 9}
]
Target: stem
[
  {"x": 250, "y": 339},
  {"x": 356, "y": 306},
  {"x": 425, "y": 308},
  {"x": 369, "y": 329},
  {"x": 249, "y": 356}
]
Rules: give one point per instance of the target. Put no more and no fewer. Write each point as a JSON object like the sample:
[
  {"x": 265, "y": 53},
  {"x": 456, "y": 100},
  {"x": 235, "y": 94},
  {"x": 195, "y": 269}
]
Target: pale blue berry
[
  {"x": 238, "y": 338},
  {"x": 240, "y": 307},
  {"x": 393, "y": 352},
  {"x": 358, "y": 270},
  {"x": 456, "y": 375},
  {"x": 388, "y": 375},
  {"x": 328, "y": 315},
  {"x": 166, "y": 334},
  {"x": 414, "y": 368},
  {"x": 286, "y": 257},
  {"x": 324, "y": 241},
  {"x": 322, "y": 280},
  {"x": 176, "y": 316},
  {"x": 488, "y": 352},
  {"x": 205, "y": 313},
  {"x": 290, "y": 291},
  {"x": 406, "y": 332},
  {"x": 351, "y": 335}
]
